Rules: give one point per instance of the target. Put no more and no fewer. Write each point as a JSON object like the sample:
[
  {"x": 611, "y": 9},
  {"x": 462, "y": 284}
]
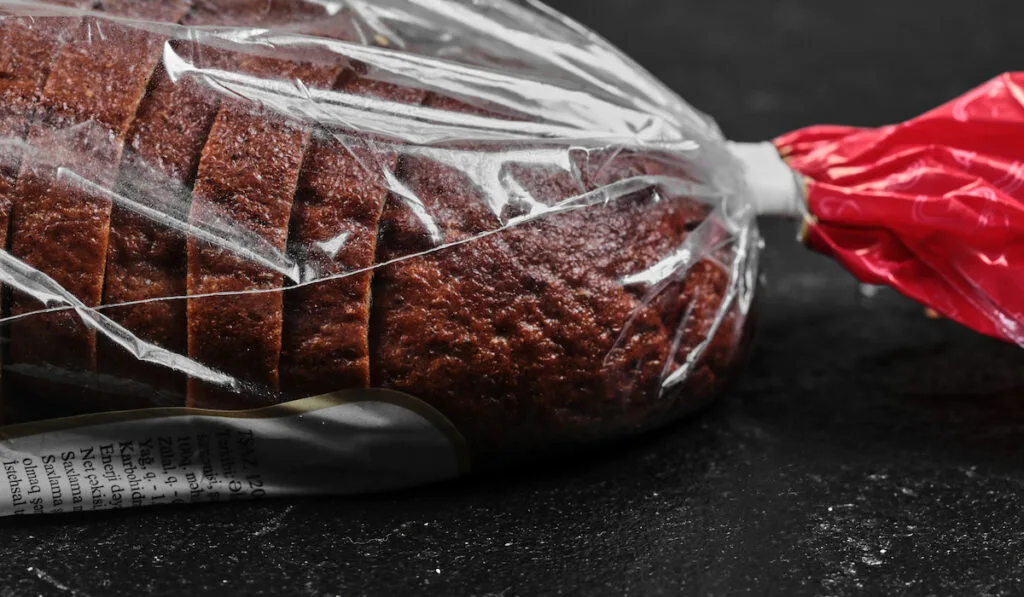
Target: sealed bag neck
[{"x": 775, "y": 189}]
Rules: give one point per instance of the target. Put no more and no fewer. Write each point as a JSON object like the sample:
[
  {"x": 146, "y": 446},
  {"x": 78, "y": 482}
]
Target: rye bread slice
[
  {"x": 247, "y": 176},
  {"x": 333, "y": 232},
  {"x": 60, "y": 220},
  {"x": 28, "y": 48},
  {"x": 147, "y": 259}
]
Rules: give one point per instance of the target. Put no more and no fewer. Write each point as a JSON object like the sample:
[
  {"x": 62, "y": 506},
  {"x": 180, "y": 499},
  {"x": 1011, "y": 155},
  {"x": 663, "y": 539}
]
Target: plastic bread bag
[{"x": 289, "y": 247}]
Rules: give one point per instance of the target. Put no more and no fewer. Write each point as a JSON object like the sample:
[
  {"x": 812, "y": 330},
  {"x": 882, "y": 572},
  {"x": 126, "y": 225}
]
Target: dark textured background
[{"x": 866, "y": 449}]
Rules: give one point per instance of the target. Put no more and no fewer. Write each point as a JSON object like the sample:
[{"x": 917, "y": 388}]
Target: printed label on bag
[{"x": 341, "y": 443}]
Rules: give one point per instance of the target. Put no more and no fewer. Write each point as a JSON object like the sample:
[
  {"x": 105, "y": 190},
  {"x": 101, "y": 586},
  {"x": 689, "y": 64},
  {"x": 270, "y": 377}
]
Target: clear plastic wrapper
[{"x": 477, "y": 226}]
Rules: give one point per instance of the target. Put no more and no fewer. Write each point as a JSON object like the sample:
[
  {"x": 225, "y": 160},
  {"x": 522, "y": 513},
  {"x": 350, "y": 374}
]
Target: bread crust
[{"x": 528, "y": 335}]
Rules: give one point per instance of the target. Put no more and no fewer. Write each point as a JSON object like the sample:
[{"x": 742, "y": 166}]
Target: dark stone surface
[{"x": 867, "y": 449}]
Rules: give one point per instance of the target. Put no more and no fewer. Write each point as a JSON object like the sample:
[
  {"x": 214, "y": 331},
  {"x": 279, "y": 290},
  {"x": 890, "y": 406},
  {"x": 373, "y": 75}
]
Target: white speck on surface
[
  {"x": 53, "y": 582},
  {"x": 274, "y": 523},
  {"x": 868, "y": 290}
]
